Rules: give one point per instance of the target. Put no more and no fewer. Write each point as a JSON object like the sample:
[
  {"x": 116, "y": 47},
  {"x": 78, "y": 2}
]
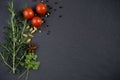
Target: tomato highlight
[
  {"x": 28, "y": 13},
  {"x": 41, "y": 8},
  {"x": 36, "y": 21}
]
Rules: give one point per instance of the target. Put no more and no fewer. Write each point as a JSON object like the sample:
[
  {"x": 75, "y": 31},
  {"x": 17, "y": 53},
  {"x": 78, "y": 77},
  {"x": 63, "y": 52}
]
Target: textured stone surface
[{"x": 83, "y": 45}]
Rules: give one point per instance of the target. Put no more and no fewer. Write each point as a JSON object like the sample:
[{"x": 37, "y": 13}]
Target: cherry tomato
[
  {"x": 28, "y": 13},
  {"x": 41, "y": 8},
  {"x": 37, "y": 21}
]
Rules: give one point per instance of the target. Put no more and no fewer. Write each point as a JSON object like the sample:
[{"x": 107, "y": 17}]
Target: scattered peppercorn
[
  {"x": 60, "y": 7},
  {"x": 55, "y": 2},
  {"x": 60, "y": 16},
  {"x": 48, "y": 33},
  {"x": 54, "y": 9},
  {"x": 34, "y": 0}
]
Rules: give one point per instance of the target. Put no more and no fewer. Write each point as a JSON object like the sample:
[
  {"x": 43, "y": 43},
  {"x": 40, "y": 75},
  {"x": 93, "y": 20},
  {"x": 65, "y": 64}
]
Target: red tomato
[
  {"x": 37, "y": 21},
  {"x": 28, "y": 13},
  {"x": 41, "y": 8}
]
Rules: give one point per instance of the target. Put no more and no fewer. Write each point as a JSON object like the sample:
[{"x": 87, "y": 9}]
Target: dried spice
[
  {"x": 60, "y": 16},
  {"x": 31, "y": 48},
  {"x": 60, "y": 7},
  {"x": 49, "y": 32},
  {"x": 55, "y": 9},
  {"x": 55, "y": 2},
  {"x": 34, "y": 0},
  {"x": 18, "y": 47}
]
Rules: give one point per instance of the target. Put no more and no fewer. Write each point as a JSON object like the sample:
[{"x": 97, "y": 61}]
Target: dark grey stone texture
[{"x": 83, "y": 45}]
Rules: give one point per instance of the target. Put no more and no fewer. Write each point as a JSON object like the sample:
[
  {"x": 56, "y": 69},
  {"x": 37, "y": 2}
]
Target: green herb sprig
[
  {"x": 17, "y": 51},
  {"x": 14, "y": 46}
]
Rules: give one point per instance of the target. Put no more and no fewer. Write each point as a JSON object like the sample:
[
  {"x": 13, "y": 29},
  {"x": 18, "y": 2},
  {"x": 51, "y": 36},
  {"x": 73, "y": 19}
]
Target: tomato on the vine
[
  {"x": 41, "y": 8},
  {"x": 37, "y": 21},
  {"x": 28, "y": 13}
]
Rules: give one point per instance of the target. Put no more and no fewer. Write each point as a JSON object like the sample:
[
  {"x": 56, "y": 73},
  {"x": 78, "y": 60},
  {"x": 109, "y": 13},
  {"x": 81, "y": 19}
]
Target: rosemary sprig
[
  {"x": 14, "y": 46},
  {"x": 5, "y": 61},
  {"x": 12, "y": 25},
  {"x": 17, "y": 50}
]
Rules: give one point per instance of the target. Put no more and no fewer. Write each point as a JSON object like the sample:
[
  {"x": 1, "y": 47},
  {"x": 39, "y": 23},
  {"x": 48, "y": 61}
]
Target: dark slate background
[{"x": 83, "y": 45}]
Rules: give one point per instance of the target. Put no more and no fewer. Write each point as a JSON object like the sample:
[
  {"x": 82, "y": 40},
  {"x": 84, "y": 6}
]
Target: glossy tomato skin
[
  {"x": 41, "y": 8},
  {"x": 28, "y": 13},
  {"x": 37, "y": 21}
]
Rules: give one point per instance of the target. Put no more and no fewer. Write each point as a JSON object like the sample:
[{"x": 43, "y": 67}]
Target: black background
[{"x": 83, "y": 45}]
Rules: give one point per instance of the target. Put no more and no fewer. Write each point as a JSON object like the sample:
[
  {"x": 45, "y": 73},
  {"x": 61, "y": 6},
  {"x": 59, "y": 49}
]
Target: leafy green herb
[
  {"x": 31, "y": 61},
  {"x": 17, "y": 52},
  {"x": 13, "y": 49}
]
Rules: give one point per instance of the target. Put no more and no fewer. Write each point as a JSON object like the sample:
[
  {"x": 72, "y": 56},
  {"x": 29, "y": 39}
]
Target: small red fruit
[
  {"x": 28, "y": 13},
  {"x": 37, "y": 21},
  {"x": 41, "y": 8}
]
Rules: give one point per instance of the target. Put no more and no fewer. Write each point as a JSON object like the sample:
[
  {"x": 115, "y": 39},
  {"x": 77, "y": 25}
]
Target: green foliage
[
  {"x": 14, "y": 47},
  {"x": 31, "y": 62},
  {"x": 14, "y": 50}
]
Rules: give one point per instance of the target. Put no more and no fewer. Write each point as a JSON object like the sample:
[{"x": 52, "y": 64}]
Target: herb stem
[
  {"x": 22, "y": 39},
  {"x": 14, "y": 44},
  {"x": 5, "y": 61},
  {"x": 25, "y": 22},
  {"x": 22, "y": 74},
  {"x": 12, "y": 22},
  {"x": 5, "y": 48},
  {"x": 21, "y": 59},
  {"x": 27, "y": 74}
]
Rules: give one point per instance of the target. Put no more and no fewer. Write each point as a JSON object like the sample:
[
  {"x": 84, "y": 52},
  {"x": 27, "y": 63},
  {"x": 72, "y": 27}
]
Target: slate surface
[{"x": 83, "y": 45}]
